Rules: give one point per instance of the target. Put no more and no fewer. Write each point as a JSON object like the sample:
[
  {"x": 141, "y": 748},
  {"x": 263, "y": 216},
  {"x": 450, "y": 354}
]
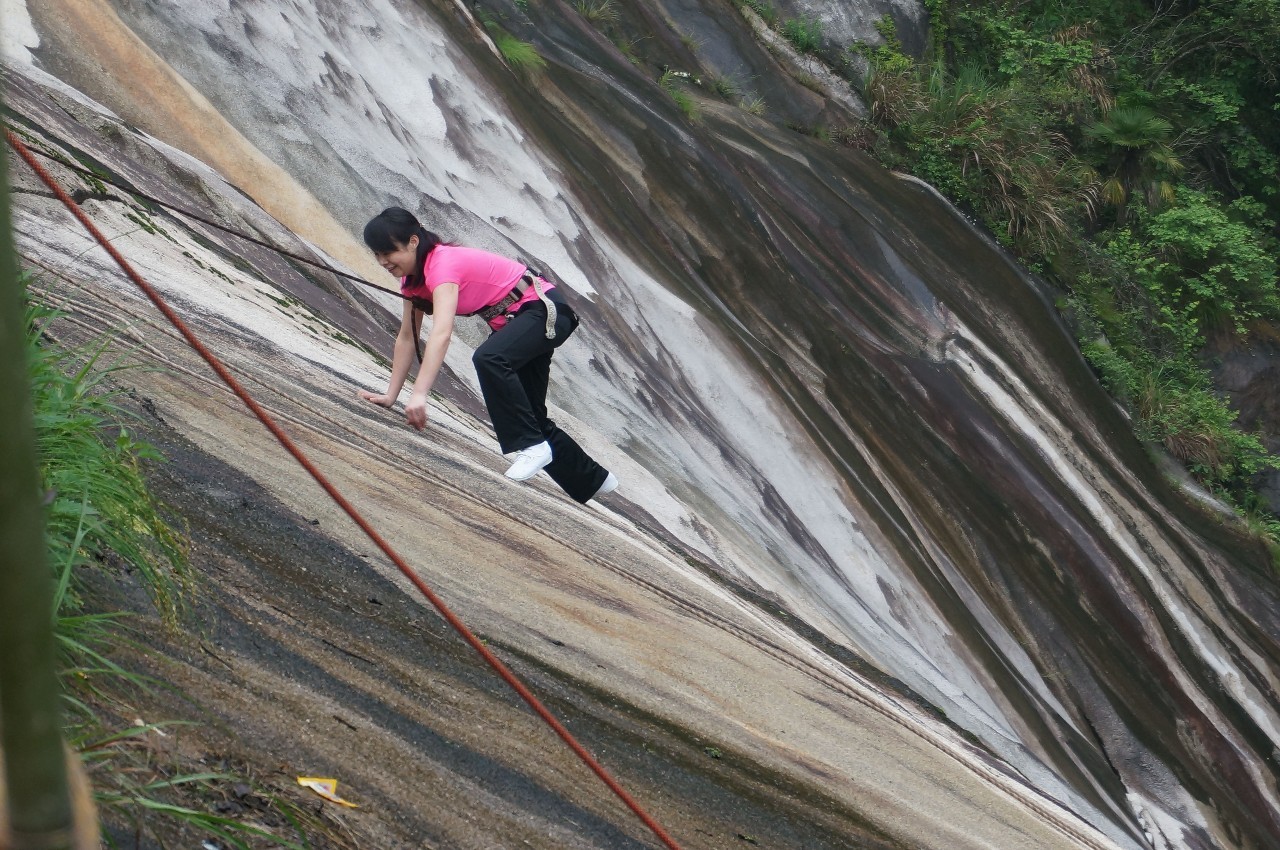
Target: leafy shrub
[
  {"x": 1142, "y": 326},
  {"x": 805, "y": 34},
  {"x": 1216, "y": 261},
  {"x": 1132, "y": 155}
]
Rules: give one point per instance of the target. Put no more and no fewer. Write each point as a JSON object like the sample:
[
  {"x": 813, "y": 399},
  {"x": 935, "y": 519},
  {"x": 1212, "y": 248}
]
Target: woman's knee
[{"x": 489, "y": 361}]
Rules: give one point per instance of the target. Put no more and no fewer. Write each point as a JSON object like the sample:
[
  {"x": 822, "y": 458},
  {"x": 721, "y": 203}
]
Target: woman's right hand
[{"x": 378, "y": 399}]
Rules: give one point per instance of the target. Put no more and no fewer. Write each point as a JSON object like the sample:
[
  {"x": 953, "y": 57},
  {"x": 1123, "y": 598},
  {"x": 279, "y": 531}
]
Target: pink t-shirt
[{"x": 483, "y": 279}]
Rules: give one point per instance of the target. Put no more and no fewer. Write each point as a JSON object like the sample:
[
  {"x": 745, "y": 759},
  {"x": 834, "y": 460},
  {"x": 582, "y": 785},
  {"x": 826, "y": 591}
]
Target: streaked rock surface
[{"x": 817, "y": 383}]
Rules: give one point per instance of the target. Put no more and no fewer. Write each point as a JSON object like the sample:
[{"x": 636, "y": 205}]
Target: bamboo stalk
[{"x": 31, "y": 732}]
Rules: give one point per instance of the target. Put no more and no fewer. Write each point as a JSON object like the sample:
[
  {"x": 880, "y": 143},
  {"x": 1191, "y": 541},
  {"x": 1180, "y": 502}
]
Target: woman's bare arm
[
  {"x": 445, "y": 301},
  {"x": 402, "y": 356}
]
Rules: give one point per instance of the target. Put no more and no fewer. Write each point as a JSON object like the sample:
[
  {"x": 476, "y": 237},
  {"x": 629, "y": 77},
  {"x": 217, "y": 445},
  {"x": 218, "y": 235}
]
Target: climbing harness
[
  {"x": 531, "y": 278},
  {"x": 287, "y": 443},
  {"x": 493, "y": 311}
]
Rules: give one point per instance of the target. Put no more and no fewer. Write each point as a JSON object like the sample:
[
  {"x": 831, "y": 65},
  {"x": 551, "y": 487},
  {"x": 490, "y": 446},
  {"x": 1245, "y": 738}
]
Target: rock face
[
  {"x": 1249, "y": 375},
  {"x": 844, "y": 24},
  {"x": 882, "y": 542}
]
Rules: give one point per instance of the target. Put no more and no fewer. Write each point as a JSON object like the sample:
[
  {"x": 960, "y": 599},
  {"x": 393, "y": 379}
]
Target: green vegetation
[
  {"x": 598, "y": 12},
  {"x": 672, "y": 82},
  {"x": 210, "y": 269},
  {"x": 726, "y": 88},
  {"x": 753, "y": 105},
  {"x": 102, "y": 518},
  {"x": 628, "y": 46},
  {"x": 1139, "y": 159},
  {"x": 810, "y": 82},
  {"x": 731, "y": 91},
  {"x": 144, "y": 221},
  {"x": 765, "y": 10},
  {"x": 520, "y": 55},
  {"x": 99, "y": 501},
  {"x": 690, "y": 43},
  {"x": 805, "y": 34},
  {"x": 1130, "y": 156}
]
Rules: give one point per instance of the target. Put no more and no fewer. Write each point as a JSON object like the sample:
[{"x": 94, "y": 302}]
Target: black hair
[{"x": 391, "y": 229}]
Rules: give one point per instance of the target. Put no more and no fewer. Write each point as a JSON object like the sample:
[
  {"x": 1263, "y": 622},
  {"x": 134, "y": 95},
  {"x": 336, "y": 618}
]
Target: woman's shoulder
[
  {"x": 462, "y": 258},
  {"x": 454, "y": 251},
  {"x": 447, "y": 253},
  {"x": 449, "y": 263}
]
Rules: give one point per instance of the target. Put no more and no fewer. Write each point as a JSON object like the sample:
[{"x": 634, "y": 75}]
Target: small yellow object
[{"x": 327, "y": 788}]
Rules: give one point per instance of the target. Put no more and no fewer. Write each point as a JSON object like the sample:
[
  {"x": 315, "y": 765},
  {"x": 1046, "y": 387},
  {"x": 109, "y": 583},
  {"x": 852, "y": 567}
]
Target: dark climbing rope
[{"x": 137, "y": 193}]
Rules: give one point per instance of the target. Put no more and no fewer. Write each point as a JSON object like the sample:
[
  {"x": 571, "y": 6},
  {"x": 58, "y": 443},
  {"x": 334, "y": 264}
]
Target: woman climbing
[{"x": 529, "y": 319}]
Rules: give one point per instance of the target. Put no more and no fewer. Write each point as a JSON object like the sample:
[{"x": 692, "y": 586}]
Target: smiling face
[{"x": 401, "y": 261}]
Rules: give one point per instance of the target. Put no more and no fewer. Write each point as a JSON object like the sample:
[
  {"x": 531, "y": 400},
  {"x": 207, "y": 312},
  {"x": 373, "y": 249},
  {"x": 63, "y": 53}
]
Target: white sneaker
[
  {"x": 610, "y": 484},
  {"x": 529, "y": 461}
]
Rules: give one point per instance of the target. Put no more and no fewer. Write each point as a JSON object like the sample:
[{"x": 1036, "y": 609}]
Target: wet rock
[{"x": 1249, "y": 375}]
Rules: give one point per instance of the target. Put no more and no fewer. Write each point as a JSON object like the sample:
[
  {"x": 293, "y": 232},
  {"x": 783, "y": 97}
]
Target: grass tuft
[
  {"x": 629, "y": 47},
  {"x": 100, "y": 510},
  {"x": 690, "y": 42},
  {"x": 520, "y": 55},
  {"x": 726, "y": 87},
  {"x": 753, "y": 105},
  {"x": 600, "y": 13},
  {"x": 672, "y": 84}
]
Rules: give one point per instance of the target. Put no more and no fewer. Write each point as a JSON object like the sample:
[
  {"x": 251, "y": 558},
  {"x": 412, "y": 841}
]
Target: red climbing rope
[{"x": 215, "y": 364}]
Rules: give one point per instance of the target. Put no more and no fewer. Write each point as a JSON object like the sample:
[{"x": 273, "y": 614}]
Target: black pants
[{"x": 514, "y": 367}]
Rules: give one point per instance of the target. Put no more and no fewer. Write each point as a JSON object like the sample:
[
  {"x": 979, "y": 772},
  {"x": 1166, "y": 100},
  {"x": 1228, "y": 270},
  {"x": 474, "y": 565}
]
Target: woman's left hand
[{"x": 415, "y": 412}]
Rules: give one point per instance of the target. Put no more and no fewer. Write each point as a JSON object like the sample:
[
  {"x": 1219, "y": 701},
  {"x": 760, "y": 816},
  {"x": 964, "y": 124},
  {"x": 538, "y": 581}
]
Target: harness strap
[
  {"x": 550, "y": 305},
  {"x": 493, "y": 311},
  {"x": 530, "y": 278},
  {"x": 424, "y": 305}
]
